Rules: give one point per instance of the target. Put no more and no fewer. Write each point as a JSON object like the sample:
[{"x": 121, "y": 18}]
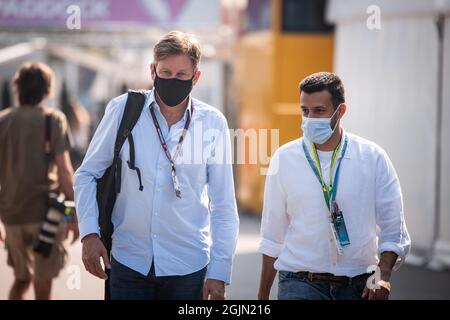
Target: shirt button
[
  {"x": 158, "y": 189},
  {"x": 156, "y": 213},
  {"x": 154, "y": 236},
  {"x": 331, "y": 240}
]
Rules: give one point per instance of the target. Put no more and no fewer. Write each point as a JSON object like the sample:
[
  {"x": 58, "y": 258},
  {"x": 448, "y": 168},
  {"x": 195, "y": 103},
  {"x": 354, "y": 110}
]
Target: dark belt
[{"x": 331, "y": 278}]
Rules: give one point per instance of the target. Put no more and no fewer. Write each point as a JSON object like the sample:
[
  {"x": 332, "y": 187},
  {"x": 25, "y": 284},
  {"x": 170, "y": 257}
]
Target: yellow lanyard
[{"x": 327, "y": 191}]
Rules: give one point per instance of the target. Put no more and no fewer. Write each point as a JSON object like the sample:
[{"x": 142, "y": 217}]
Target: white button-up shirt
[
  {"x": 295, "y": 224},
  {"x": 182, "y": 235}
]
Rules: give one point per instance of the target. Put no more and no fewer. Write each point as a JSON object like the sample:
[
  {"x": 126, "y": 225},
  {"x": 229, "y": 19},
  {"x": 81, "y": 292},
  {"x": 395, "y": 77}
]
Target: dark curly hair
[
  {"x": 33, "y": 83},
  {"x": 324, "y": 81}
]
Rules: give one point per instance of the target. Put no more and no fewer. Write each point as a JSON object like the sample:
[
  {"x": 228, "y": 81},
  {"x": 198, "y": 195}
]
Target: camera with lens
[{"x": 59, "y": 210}]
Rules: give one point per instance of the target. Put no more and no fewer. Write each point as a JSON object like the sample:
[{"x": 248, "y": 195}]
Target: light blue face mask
[{"x": 318, "y": 130}]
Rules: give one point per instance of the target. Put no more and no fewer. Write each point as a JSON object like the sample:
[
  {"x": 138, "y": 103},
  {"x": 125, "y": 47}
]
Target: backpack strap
[
  {"x": 131, "y": 162},
  {"x": 133, "y": 109},
  {"x": 48, "y": 132}
]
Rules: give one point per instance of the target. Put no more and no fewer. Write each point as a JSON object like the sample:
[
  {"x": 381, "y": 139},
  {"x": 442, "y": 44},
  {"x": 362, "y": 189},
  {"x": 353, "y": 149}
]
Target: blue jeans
[
  {"x": 293, "y": 286},
  {"x": 127, "y": 284}
]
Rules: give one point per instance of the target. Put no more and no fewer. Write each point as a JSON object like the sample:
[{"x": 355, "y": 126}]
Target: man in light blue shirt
[{"x": 176, "y": 223}]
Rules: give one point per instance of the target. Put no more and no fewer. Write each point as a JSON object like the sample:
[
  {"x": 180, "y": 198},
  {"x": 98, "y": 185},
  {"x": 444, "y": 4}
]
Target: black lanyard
[{"x": 175, "y": 182}]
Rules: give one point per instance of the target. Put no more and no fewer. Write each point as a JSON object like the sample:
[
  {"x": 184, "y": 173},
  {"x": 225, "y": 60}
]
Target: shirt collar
[
  {"x": 348, "y": 152},
  {"x": 154, "y": 103}
]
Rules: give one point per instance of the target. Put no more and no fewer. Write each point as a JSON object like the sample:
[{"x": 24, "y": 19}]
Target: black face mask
[{"x": 172, "y": 91}]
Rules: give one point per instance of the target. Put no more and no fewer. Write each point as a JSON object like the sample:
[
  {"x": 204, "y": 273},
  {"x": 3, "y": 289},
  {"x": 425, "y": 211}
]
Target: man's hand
[
  {"x": 263, "y": 295},
  {"x": 268, "y": 273},
  {"x": 387, "y": 262},
  {"x": 214, "y": 289},
  {"x": 93, "y": 249},
  {"x": 72, "y": 227},
  {"x": 377, "y": 294}
]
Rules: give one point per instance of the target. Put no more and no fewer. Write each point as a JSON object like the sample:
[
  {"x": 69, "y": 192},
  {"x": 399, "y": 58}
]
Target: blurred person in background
[
  {"x": 28, "y": 174},
  {"x": 169, "y": 235},
  {"x": 79, "y": 122},
  {"x": 333, "y": 208}
]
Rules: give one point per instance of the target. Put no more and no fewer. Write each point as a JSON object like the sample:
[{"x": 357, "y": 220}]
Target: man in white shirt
[
  {"x": 333, "y": 208},
  {"x": 175, "y": 220}
]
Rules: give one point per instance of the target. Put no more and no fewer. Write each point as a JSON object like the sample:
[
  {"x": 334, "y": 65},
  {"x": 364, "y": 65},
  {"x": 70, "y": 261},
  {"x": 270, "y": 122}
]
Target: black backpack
[{"x": 109, "y": 184}]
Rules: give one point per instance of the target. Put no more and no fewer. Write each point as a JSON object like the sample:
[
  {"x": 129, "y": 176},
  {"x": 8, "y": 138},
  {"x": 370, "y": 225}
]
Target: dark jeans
[
  {"x": 127, "y": 284},
  {"x": 292, "y": 286}
]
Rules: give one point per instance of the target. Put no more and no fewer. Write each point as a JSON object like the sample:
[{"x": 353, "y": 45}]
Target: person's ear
[
  {"x": 152, "y": 70},
  {"x": 196, "y": 77},
  {"x": 343, "y": 110}
]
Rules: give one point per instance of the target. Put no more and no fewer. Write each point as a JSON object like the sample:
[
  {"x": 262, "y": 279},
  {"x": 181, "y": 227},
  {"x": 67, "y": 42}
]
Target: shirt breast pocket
[
  {"x": 191, "y": 163},
  {"x": 308, "y": 206},
  {"x": 193, "y": 175}
]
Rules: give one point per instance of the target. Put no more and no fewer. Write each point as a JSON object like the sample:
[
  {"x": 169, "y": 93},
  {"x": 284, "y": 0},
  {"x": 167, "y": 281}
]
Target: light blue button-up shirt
[{"x": 183, "y": 235}]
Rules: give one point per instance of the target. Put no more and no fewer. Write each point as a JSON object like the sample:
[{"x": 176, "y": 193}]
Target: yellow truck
[{"x": 285, "y": 40}]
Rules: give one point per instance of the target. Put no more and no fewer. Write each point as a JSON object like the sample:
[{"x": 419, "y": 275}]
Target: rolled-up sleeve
[
  {"x": 224, "y": 215},
  {"x": 392, "y": 232},
  {"x": 275, "y": 220},
  {"x": 98, "y": 158}
]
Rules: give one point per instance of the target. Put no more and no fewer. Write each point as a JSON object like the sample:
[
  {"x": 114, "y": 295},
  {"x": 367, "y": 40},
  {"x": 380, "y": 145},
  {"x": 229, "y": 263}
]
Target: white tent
[{"x": 397, "y": 80}]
